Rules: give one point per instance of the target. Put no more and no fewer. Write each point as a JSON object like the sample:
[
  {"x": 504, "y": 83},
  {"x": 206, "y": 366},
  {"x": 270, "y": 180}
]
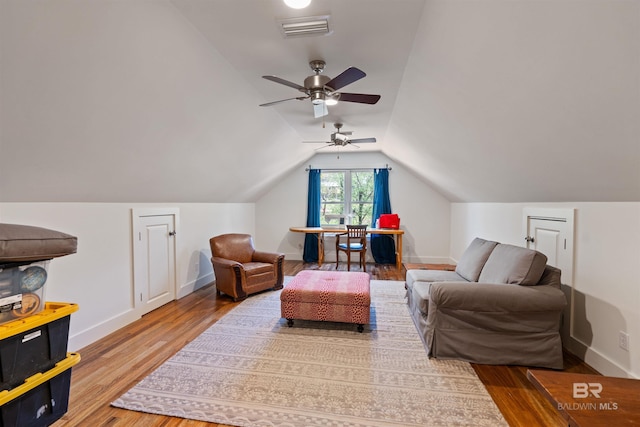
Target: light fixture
[
  {"x": 317, "y": 97},
  {"x": 297, "y": 4},
  {"x": 331, "y": 100}
]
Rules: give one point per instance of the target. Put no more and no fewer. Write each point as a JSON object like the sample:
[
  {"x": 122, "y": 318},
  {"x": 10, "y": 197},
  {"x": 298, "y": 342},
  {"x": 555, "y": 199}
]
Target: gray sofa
[{"x": 501, "y": 306}]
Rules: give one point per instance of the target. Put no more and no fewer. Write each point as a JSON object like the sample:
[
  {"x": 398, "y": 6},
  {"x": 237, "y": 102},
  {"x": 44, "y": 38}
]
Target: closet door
[{"x": 154, "y": 259}]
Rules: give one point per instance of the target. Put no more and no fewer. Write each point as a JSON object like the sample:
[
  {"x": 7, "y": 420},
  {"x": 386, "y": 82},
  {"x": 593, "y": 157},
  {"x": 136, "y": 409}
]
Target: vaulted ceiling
[{"x": 154, "y": 101}]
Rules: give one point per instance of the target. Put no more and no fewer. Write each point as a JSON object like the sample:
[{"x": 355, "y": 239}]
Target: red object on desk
[{"x": 389, "y": 221}]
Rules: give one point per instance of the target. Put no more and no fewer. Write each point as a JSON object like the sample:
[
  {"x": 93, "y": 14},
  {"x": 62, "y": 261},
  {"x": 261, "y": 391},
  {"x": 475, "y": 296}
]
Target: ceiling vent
[{"x": 305, "y": 26}]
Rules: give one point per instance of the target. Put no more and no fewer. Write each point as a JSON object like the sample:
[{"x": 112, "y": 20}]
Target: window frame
[{"x": 347, "y": 203}]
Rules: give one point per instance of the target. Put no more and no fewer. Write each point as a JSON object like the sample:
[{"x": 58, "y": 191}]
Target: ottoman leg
[
  {"x": 360, "y": 328},
  {"x": 290, "y": 322}
]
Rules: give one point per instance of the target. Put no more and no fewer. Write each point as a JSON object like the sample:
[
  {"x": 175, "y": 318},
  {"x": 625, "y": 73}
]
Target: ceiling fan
[
  {"x": 322, "y": 90},
  {"x": 341, "y": 139}
]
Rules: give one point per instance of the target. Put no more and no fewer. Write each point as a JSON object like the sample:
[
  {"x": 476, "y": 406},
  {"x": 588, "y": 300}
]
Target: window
[{"x": 347, "y": 197}]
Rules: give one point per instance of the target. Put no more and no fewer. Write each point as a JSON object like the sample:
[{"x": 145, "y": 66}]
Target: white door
[
  {"x": 548, "y": 237},
  {"x": 551, "y": 232},
  {"x": 154, "y": 260}
]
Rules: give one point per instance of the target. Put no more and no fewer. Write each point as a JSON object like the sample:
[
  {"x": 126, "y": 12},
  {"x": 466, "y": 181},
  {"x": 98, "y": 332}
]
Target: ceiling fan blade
[
  {"x": 326, "y": 146},
  {"x": 316, "y": 142},
  {"x": 320, "y": 110},
  {"x": 363, "y": 140},
  {"x": 300, "y": 98},
  {"x": 359, "y": 97},
  {"x": 285, "y": 82},
  {"x": 347, "y": 77}
]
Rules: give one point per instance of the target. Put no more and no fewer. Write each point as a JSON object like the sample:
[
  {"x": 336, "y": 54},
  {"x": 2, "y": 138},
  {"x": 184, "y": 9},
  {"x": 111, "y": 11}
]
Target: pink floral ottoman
[{"x": 334, "y": 296}]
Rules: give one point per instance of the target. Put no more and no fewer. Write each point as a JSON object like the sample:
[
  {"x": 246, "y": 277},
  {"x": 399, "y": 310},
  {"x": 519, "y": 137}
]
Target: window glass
[
  {"x": 332, "y": 194},
  {"x": 361, "y": 197},
  {"x": 347, "y": 197}
]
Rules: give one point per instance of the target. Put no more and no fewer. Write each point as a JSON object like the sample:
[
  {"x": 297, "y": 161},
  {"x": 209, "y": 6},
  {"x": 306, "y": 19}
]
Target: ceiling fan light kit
[
  {"x": 317, "y": 98},
  {"x": 320, "y": 88},
  {"x": 332, "y": 100}
]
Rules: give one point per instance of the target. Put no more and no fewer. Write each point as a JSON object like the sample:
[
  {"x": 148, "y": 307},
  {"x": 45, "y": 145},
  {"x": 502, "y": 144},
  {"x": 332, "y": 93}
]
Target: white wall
[
  {"x": 424, "y": 213},
  {"x": 606, "y": 284},
  {"x": 492, "y": 87},
  {"x": 130, "y": 97},
  {"x": 99, "y": 277}
]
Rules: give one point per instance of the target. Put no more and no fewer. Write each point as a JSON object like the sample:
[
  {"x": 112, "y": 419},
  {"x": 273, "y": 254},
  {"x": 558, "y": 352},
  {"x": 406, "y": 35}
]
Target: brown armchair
[{"x": 240, "y": 270}]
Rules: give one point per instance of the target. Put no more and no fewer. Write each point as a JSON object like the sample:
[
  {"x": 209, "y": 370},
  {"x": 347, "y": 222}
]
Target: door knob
[
  {"x": 530, "y": 239},
  {"x": 172, "y": 233}
]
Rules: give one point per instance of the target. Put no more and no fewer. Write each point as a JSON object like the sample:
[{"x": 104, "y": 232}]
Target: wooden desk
[
  {"x": 397, "y": 234},
  {"x": 617, "y": 405}
]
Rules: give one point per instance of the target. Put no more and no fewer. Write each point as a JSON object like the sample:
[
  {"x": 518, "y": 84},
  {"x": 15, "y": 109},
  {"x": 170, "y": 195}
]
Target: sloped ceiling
[
  {"x": 524, "y": 101},
  {"x": 153, "y": 101}
]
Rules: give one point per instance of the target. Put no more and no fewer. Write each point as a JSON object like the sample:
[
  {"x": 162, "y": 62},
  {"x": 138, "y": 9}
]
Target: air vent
[{"x": 306, "y": 26}]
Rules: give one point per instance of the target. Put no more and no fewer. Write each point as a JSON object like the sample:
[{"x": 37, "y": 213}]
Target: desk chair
[{"x": 356, "y": 242}]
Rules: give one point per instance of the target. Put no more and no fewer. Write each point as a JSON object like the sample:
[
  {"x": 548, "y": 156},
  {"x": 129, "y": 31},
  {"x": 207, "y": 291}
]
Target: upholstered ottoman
[{"x": 333, "y": 296}]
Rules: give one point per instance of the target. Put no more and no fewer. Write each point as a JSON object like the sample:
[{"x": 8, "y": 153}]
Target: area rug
[{"x": 251, "y": 369}]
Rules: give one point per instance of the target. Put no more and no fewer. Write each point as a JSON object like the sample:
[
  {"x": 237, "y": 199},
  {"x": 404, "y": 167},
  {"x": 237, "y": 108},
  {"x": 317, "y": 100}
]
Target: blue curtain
[
  {"x": 383, "y": 246},
  {"x": 310, "y": 253}
]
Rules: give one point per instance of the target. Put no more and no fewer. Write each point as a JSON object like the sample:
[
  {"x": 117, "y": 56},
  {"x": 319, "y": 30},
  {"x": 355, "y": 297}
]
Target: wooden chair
[{"x": 356, "y": 242}]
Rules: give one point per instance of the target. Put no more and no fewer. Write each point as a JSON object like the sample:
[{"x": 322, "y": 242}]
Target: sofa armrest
[
  {"x": 225, "y": 263},
  {"x": 230, "y": 277},
  {"x": 491, "y": 297},
  {"x": 268, "y": 257}
]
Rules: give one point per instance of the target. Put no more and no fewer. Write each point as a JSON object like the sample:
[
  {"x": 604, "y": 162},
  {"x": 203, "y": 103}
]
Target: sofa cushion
[
  {"x": 253, "y": 268},
  {"x": 513, "y": 265},
  {"x": 414, "y": 276},
  {"x": 474, "y": 258},
  {"x": 20, "y": 243},
  {"x": 235, "y": 246},
  {"x": 420, "y": 294},
  {"x": 551, "y": 277}
]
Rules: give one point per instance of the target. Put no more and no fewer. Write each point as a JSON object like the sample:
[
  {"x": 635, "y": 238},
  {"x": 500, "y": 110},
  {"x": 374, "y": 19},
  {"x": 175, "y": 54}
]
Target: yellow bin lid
[
  {"x": 39, "y": 379},
  {"x": 52, "y": 311}
]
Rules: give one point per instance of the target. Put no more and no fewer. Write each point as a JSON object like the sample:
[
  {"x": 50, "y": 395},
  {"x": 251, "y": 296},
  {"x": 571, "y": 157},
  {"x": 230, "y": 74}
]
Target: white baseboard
[
  {"x": 597, "y": 360},
  {"x": 194, "y": 285},
  {"x": 411, "y": 259},
  {"x": 428, "y": 260},
  {"x": 93, "y": 334}
]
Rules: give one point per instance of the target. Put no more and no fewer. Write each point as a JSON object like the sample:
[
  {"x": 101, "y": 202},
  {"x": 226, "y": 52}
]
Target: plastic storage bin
[
  {"x": 22, "y": 287},
  {"x": 34, "y": 344},
  {"x": 41, "y": 400}
]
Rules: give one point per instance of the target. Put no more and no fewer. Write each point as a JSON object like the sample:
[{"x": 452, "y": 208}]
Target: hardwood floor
[{"x": 117, "y": 362}]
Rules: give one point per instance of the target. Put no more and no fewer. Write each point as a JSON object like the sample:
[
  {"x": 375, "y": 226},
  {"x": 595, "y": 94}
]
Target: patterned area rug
[{"x": 251, "y": 369}]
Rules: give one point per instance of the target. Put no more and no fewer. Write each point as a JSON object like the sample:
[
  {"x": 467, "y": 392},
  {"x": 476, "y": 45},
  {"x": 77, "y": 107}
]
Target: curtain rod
[{"x": 387, "y": 167}]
